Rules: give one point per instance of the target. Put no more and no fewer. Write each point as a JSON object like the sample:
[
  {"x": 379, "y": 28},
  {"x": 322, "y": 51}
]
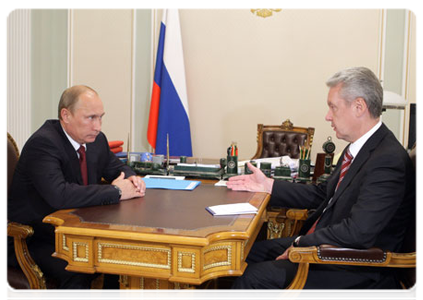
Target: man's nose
[
  {"x": 97, "y": 124},
  {"x": 328, "y": 116}
]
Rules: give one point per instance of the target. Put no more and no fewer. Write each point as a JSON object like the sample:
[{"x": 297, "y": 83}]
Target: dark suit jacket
[
  {"x": 372, "y": 205},
  {"x": 48, "y": 177},
  {"x": 371, "y": 208}
]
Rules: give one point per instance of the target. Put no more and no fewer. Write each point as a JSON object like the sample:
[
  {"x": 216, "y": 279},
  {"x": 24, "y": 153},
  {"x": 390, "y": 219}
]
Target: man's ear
[
  {"x": 65, "y": 113},
  {"x": 360, "y": 106}
]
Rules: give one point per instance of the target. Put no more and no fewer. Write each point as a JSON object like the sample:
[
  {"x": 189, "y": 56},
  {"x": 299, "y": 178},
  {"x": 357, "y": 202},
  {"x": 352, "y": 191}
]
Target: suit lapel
[
  {"x": 362, "y": 156},
  {"x": 71, "y": 154},
  {"x": 96, "y": 158}
]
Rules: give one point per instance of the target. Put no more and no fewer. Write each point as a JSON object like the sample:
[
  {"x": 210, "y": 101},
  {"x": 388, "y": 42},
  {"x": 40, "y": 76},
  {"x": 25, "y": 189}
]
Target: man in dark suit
[
  {"x": 61, "y": 166},
  {"x": 367, "y": 201}
]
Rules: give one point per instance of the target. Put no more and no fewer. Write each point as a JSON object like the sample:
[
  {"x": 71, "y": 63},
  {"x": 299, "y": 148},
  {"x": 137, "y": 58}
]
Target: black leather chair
[
  {"x": 275, "y": 141},
  {"x": 404, "y": 261},
  {"x": 28, "y": 274},
  {"x": 281, "y": 140}
]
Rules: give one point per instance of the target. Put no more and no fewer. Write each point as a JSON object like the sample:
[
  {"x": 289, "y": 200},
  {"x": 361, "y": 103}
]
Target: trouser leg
[
  {"x": 52, "y": 267},
  {"x": 110, "y": 287},
  {"x": 263, "y": 271},
  {"x": 276, "y": 274}
]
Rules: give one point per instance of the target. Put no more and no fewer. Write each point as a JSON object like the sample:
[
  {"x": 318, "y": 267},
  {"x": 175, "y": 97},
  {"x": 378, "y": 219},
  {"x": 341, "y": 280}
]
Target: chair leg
[{"x": 300, "y": 278}]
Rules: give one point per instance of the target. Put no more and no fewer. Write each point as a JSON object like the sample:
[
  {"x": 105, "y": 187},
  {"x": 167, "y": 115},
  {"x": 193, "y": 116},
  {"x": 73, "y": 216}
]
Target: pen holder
[
  {"x": 247, "y": 170},
  {"x": 304, "y": 168},
  {"x": 232, "y": 165},
  {"x": 266, "y": 168}
]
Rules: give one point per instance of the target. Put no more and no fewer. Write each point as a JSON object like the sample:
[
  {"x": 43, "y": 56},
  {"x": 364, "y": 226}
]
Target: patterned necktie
[
  {"x": 345, "y": 166},
  {"x": 346, "y": 162},
  {"x": 83, "y": 164}
]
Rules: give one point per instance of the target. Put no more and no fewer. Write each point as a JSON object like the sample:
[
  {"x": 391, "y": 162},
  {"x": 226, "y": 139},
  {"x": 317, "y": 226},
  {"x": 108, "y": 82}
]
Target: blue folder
[{"x": 170, "y": 184}]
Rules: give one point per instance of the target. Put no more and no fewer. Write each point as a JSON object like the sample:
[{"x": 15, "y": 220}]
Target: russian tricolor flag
[{"x": 169, "y": 103}]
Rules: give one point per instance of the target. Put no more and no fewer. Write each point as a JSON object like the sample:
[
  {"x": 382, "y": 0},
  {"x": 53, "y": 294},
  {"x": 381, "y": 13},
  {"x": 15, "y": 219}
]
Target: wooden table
[{"x": 166, "y": 239}]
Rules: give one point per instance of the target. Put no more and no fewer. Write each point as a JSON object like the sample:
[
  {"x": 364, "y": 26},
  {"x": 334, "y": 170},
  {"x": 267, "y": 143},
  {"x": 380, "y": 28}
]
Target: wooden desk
[{"x": 164, "y": 240}]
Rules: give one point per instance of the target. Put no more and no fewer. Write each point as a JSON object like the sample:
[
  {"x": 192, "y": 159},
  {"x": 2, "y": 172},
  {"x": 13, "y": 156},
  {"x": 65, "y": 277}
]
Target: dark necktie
[
  {"x": 346, "y": 162},
  {"x": 83, "y": 164}
]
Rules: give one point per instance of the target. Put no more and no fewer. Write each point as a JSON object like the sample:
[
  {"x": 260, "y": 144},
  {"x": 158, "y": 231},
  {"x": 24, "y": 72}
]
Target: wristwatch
[
  {"x": 119, "y": 190},
  {"x": 296, "y": 241}
]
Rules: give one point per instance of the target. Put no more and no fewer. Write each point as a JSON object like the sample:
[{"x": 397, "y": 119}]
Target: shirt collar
[
  {"x": 358, "y": 144},
  {"x": 74, "y": 143}
]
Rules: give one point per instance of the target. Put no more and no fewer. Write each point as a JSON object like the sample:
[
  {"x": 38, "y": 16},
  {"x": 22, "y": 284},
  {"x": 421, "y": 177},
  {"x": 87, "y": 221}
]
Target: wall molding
[{"x": 19, "y": 75}]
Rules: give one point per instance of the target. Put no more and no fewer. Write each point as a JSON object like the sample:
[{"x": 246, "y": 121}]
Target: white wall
[
  {"x": 241, "y": 69},
  {"x": 101, "y": 57}
]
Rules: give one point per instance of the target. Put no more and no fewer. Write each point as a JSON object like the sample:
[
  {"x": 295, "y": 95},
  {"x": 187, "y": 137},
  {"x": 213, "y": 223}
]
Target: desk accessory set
[{"x": 149, "y": 164}]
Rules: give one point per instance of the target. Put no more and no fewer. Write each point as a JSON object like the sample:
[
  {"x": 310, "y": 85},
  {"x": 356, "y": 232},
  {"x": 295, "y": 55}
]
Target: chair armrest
[
  {"x": 31, "y": 270},
  {"x": 284, "y": 222},
  {"x": 297, "y": 214},
  {"x": 327, "y": 254},
  {"x": 373, "y": 257},
  {"x": 17, "y": 230}
]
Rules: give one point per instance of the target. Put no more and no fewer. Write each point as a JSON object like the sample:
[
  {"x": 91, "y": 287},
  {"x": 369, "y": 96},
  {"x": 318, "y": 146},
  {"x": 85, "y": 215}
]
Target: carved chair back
[{"x": 281, "y": 140}]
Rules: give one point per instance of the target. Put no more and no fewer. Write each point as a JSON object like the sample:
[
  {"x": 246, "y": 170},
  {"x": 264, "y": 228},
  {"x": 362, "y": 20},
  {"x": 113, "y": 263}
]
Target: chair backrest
[
  {"x": 12, "y": 158},
  {"x": 412, "y": 239},
  {"x": 281, "y": 140},
  {"x": 411, "y": 277}
]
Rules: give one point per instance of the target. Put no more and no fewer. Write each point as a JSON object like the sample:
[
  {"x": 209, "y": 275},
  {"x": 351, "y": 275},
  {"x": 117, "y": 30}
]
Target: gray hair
[
  {"x": 360, "y": 82},
  {"x": 71, "y": 96}
]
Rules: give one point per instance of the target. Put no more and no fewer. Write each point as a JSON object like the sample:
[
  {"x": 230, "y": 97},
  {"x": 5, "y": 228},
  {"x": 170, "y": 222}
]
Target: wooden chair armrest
[
  {"x": 290, "y": 213},
  {"x": 17, "y": 230},
  {"x": 373, "y": 257},
  {"x": 327, "y": 254},
  {"x": 283, "y": 222},
  {"x": 31, "y": 270},
  {"x": 297, "y": 214}
]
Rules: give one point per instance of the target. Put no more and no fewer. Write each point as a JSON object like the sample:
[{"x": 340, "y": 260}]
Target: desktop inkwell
[
  {"x": 266, "y": 168},
  {"x": 282, "y": 172},
  {"x": 247, "y": 170},
  {"x": 329, "y": 149}
]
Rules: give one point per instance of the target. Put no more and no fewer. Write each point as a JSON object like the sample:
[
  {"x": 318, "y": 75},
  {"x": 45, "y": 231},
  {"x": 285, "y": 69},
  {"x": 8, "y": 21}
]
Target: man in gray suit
[{"x": 367, "y": 201}]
